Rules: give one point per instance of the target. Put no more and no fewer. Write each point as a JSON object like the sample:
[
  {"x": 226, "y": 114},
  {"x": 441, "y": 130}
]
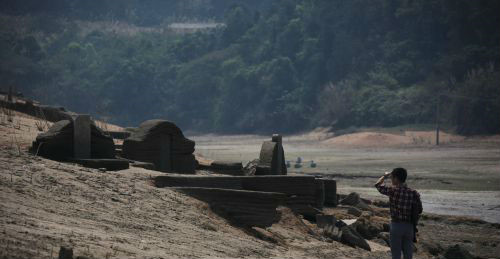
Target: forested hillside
[{"x": 284, "y": 65}]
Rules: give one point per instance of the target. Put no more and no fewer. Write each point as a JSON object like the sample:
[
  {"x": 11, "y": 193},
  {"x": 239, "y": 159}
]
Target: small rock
[
  {"x": 102, "y": 169},
  {"x": 457, "y": 252},
  {"x": 366, "y": 229},
  {"x": 386, "y": 237},
  {"x": 366, "y": 214},
  {"x": 346, "y": 222},
  {"x": 353, "y": 211},
  {"x": 351, "y": 199},
  {"x": 386, "y": 227},
  {"x": 352, "y": 238},
  {"x": 432, "y": 248},
  {"x": 333, "y": 232},
  {"x": 65, "y": 252},
  {"x": 381, "y": 204},
  {"x": 362, "y": 206},
  {"x": 251, "y": 167},
  {"x": 323, "y": 221},
  {"x": 264, "y": 235}
]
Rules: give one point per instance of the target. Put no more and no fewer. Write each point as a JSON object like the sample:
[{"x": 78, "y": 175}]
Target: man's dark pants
[{"x": 401, "y": 240}]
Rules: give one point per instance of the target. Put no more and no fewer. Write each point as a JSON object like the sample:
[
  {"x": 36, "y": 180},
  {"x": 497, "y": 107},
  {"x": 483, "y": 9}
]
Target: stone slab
[
  {"x": 324, "y": 221},
  {"x": 272, "y": 157},
  {"x": 81, "y": 136},
  {"x": 330, "y": 192},
  {"x": 109, "y": 164},
  {"x": 301, "y": 191},
  {"x": 243, "y": 208}
]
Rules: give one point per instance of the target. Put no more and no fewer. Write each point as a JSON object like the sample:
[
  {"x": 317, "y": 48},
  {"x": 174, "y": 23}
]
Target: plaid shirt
[{"x": 401, "y": 200}]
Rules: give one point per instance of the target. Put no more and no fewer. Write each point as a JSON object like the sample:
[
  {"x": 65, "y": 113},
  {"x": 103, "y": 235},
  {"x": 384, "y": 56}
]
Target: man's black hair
[{"x": 400, "y": 173}]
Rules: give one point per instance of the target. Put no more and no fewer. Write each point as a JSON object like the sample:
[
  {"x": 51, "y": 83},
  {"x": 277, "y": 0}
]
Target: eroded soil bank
[{"x": 101, "y": 214}]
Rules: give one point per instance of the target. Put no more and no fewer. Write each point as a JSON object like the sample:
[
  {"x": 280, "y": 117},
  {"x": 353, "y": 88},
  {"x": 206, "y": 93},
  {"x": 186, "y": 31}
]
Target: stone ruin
[
  {"x": 305, "y": 195},
  {"x": 78, "y": 140},
  {"x": 63, "y": 142},
  {"x": 272, "y": 158},
  {"x": 271, "y": 161},
  {"x": 330, "y": 186},
  {"x": 244, "y": 200},
  {"x": 241, "y": 207},
  {"x": 162, "y": 143},
  {"x": 156, "y": 144}
]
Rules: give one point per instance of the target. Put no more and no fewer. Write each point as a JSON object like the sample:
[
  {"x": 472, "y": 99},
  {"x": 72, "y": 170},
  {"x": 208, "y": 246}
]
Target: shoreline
[{"x": 447, "y": 203}]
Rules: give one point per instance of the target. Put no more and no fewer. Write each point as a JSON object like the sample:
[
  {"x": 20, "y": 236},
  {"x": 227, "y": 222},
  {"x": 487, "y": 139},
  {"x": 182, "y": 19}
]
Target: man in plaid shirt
[{"x": 405, "y": 206}]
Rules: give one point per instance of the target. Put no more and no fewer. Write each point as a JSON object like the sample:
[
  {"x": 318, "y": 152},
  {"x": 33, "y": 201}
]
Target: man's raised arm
[{"x": 380, "y": 184}]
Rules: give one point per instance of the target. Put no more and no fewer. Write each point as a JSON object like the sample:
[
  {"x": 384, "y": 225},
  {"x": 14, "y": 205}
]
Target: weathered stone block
[
  {"x": 330, "y": 192},
  {"x": 324, "y": 221},
  {"x": 271, "y": 159},
  {"x": 245, "y": 208},
  {"x": 223, "y": 167},
  {"x": 65, "y": 252},
  {"x": 351, "y": 237},
  {"x": 81, "y": 136},
  {"x": 319, "y": 193},
  {"x": 301, "y": 191},
  {"x": 57, "y": 142}
]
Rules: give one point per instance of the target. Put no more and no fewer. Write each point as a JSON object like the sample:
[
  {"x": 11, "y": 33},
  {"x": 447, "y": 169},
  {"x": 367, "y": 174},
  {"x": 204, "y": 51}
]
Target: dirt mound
[
  {"x": 378, "y": 139},
  {"x": 317, "y": 134},
  {"x": 369, "y": 139},
  {"x": 429, "y": 137}
]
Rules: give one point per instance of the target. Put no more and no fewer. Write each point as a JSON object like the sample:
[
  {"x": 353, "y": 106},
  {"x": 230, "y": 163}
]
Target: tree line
[{"x": 287, "y": 66}]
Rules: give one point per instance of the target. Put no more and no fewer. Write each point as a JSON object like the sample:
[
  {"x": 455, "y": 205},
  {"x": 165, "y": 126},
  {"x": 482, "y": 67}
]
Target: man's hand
[{"x": 382, "y": 178}]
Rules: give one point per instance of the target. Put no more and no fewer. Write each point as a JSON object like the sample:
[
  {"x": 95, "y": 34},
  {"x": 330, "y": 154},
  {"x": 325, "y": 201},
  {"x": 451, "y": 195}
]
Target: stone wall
[
  {"x": 244, "y": 208},
  {"x": 303, "y": 193}
]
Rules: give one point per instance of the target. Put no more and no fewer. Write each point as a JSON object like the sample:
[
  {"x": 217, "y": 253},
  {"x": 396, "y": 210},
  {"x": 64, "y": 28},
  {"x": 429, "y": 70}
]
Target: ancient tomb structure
[
  {"x": 241, "y": 207},
  {"x": 81, "y": 137},
  {"x": 162, "y": 143},
  {"x": 330, "y": 192},
  {"x": 63, "y": 141},
  {"x": 225, "y": 167},
  {"x": 272, "y": 158},
  {"x": 303, "y": 194}
]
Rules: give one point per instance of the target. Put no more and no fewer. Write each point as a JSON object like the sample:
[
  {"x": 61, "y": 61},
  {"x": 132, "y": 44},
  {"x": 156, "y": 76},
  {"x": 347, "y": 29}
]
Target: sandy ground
[
  {"x": 459, "y": 177},
  {"x": 46, "y": 204},
  {"x": 379, "y": 139}
]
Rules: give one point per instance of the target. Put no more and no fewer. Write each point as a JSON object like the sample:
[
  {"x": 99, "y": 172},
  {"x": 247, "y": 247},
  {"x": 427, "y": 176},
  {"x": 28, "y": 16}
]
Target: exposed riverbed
[{"x": 453, "y": 179}]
